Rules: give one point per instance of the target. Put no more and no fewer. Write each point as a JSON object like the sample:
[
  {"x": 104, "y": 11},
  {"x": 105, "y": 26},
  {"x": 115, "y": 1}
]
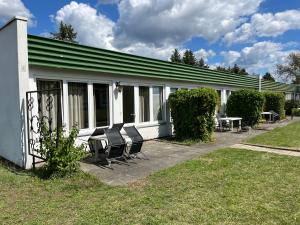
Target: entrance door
[{"x": 128, "y": 104}]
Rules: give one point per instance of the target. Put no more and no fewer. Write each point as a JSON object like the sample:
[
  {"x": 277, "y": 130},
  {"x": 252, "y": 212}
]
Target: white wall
[
  {"x": 149, "y": 130},
  {"x": 13, "y": 85}
]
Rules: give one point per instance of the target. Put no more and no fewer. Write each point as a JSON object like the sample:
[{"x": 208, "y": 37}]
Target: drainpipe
[{"x": 259, "y": 83}]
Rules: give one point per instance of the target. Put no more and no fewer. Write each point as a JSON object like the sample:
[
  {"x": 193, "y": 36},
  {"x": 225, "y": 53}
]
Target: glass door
[{"x": 128, "y": 104}]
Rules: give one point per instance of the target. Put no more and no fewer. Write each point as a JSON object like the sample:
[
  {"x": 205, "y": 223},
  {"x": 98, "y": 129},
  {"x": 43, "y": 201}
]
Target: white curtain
[
  {"x": 49, "y": 103},
  {"x": 157, "y": 103},
  {"x": 144, "y": 104},
  {"x": 78, "y": 114}
]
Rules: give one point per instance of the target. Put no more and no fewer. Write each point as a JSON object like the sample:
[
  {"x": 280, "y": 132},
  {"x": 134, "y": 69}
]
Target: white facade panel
[{"x": 13, "y": 86}]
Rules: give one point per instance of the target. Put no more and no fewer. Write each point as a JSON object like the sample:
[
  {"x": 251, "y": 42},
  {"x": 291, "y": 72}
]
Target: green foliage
[
  {"x": 269, "y": 77},
  {"x": 274, "y": 102},
  {"x": 296, "y": 112},
  {"x": 235, "y": 69},
  {"x": 65, "y": 33},
  {"x": 192, "y": 112},
  {"x": 290, "y": 70},
  {"x": 247, "y": 104},
  {"x": 189, "y": 58},
  {"x": 202, "y": 64},
  {"x": 176, "y": 57},
  {"x": 289, "y": 105},
  {"x": 62, "y": 157}
]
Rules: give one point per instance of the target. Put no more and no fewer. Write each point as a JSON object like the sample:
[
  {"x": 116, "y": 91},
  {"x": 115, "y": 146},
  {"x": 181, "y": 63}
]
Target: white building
[{"x": 98, "y": 88}]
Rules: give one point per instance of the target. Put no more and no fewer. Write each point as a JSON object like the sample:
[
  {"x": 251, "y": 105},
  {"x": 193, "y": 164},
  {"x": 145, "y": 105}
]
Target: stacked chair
[
  {"x": 115, "y": 147},
  {"x": 137, "y": 141}
]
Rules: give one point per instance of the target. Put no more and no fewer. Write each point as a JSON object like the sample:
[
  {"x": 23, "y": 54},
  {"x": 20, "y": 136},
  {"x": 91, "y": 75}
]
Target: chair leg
[
  {"x": 124, "y": 157},
  {"x": 109, "y": 163}
]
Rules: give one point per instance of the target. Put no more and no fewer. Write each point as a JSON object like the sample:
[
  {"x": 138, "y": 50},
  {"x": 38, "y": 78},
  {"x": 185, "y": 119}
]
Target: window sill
[
  {"x": 89, "y": 131},
  {"x": 151, "y": 124}
]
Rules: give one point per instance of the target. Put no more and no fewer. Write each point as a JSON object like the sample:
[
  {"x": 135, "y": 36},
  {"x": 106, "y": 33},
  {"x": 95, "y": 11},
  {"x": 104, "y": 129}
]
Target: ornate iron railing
[{"x": 43, "y": 108}]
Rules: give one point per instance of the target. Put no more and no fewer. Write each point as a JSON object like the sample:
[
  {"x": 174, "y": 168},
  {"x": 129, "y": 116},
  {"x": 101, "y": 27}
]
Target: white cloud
[
  {"x": 265, "y": 25},
  {"x": 231, "y": 56},
  {"x": 11, "y": 8},
  {"x": 175, "y": 21},
  {"x": 92, "y": 27},
  {"x": 204, "y": 54},
  {"x": 262, "y": 56},
  {"x": 95, "y": 29},
  {"x": 149, "y": 50}
]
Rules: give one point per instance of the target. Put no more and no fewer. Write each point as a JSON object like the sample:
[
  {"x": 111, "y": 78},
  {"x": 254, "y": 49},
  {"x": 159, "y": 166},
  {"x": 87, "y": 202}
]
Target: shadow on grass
[{"x": 40, "y": 172}]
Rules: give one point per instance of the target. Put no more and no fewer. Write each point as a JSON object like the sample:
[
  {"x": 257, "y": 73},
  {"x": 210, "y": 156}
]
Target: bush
[
  {"x": 274, "y": 102},
  {"x": 289, "y": 105},
  {"x": 192, "y": 112},
  {"x": 296, "y": 112},
  {"x": 61, "y": 158},
  {"x": 247, "y": 104}
]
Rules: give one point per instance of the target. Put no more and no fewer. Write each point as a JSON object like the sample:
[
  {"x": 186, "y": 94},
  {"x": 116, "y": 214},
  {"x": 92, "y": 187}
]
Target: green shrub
[
  {"x": 289, "y": 105},
  {"x": 247, "y": 104},
  {"x": 296, "y": 112},
  {"x": 274, "y": 102},
  {"x": 192, "y": 112},
  {"x": 61, "y": 158}
]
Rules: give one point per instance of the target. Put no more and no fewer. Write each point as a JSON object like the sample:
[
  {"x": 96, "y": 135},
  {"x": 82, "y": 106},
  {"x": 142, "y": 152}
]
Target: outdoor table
[
  {"x": 231, "y": 119},
  {"x": 268, "y": 113}
]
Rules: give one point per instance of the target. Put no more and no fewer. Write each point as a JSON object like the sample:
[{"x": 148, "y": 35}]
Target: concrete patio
[{"x": 163, "y": 154}]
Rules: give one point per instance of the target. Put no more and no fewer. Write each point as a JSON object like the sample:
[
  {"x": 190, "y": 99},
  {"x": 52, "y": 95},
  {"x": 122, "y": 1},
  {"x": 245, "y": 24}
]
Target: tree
[
  {"x": 65, "y": 32},
  {"x": 269, "y": 77},
  {"x": 235, "y": 69},
  {"x": 221, "y": 69},
  {"x": 290, "y": 70},
  {"x": 189, "y": 58},
  {"x": 176, "y": 57},
  {"x": 202, "y": 64},
  {"x": 243, "y": 72}
]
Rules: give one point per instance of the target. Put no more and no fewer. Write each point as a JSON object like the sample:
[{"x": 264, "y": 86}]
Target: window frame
[
  {"x": 163, "y": 116},
  {"x": 109, "y": 105},
  {"x": 88, "y": 105}
]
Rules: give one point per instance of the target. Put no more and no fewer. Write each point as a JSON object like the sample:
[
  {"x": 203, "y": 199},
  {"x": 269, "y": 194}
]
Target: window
[
  {"x": 101, "y": 105},
  {"x": 172, "y": 90},
  {"x": 128, "y": 104},
  {"x": 144, "y": 104},
  {"x": 53, "y": 112},
  {"x": 219, "y": 106},
  {"x": 78, "y": 105},
  {"x": 228, "y": 93},
  {"x": 157, "y": 103}
]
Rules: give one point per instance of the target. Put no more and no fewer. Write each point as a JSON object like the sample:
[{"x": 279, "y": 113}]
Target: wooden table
[{"x": 231, "y": 119}]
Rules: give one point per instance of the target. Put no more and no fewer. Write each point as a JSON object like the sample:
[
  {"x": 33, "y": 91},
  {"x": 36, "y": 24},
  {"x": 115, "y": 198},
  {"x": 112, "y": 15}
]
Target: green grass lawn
[
  {"x": 288, "y": 136},
  {"x": 228, "y": 186}
]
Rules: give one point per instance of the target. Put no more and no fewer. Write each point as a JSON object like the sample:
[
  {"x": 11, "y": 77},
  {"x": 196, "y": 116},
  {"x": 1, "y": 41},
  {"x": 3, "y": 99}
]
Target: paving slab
[{"x": 163, "y": 154}]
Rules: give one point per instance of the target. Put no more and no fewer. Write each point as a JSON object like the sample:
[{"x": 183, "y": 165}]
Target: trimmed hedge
[
  {"x": 289, "y": 105},
  {"x": 247, "y": 104},
  {"x": 295, "y": 112},
  {"x": 193, "y": 113},
  {"x": 274, "y": 102}
]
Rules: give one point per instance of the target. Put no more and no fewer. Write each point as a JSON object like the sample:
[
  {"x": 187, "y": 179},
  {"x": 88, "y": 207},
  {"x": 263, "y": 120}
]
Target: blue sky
[{"x": 256, "y": 34}]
